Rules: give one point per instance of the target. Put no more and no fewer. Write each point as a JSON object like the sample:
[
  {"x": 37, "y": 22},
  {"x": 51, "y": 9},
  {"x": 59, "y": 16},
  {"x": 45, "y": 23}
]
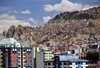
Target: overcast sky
[{"x": 37, "y": 12}]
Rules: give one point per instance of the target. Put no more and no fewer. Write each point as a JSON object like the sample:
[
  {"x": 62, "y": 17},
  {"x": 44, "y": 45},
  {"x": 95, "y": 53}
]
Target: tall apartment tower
[{"x": 13, "y": 55}]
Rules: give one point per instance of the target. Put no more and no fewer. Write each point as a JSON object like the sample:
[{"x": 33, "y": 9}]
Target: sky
[{"x": 37, "y": 12}]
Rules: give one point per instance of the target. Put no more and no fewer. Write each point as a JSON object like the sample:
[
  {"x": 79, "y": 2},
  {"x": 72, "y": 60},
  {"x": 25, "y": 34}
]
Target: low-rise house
[{"x": 76, "y": 49}]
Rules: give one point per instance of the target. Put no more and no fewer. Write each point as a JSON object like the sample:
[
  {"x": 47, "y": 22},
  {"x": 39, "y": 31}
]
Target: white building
[
  {"x": 48, "y": 55},
  {"x": 66, "y": 61}
]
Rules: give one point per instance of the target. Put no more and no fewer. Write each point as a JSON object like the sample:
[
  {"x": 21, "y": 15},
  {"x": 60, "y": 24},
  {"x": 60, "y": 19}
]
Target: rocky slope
[
  {"x": 62, "y": 27},
  {"x": 17, "y": 31},
  {"x": 20, "y": 34}
]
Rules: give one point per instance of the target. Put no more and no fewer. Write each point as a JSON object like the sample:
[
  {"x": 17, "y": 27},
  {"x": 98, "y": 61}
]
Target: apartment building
[
  {"x": 14, "y": 55},
  {"x": 48, "y": 55}
]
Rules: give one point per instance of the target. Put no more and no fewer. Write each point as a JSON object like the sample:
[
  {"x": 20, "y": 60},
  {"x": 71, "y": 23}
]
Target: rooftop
[
  {"x": 68, "y": 58},
  {"x": 8, "y": 41}
]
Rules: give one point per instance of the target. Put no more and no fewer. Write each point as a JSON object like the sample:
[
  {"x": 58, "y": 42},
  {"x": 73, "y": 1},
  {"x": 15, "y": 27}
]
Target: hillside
[
  {"x": 62, "y": 27},
  {"x": 92, "y": 13}
]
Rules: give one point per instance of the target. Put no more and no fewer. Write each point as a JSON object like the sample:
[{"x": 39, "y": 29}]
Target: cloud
[
  {"x": 7, "y": 16},
  {"x": 6, "y": 21},
  {"x": 46, "y": 19},
  {"x": 3, "y": 8},
  {"x": 88, "y": 7},
  {"x": 26, "y": 12},
  {"x": 48, "y": 8},
  {"x": 32, "y": 20},
  {"x": 4, "y": 15},
  {"x": 15, "y": 11},
  {"x": 65, "y": 5}
]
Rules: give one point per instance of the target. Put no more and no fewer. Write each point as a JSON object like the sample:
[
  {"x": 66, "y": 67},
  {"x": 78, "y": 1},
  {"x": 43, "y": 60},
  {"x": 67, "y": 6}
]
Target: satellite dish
[{"x": 17, "y": 45}]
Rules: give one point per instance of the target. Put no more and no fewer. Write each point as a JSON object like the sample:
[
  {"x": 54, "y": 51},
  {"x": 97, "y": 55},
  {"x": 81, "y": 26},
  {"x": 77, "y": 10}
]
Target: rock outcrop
[{"x": 17, "y": 31}]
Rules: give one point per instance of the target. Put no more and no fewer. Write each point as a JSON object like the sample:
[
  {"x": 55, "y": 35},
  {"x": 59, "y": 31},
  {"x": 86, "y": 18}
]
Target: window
[
  {"x": 64, "y": 63},
  {"x": 81, "y": 62},
  {"x": 19, "y": 61},
  {"x": 2, "y": 61},
  {"x": 49, "y": 63},
  {"x": 19, "y": 50},
  {"x": 60, "y": 63},
  {"x": 53, "y": 63},
  {"x": 24, "y": 50},
  {"x": 25, "y": 61},
  {"x": 45, "y": 63},
  {"x": 45, "y": 53},
  {"x": 30, "y": 49},
  {"x": 24, "y": 54},
  {"x": 1, "y": 65},
  {"x": 19, "y": 54},
  {"x": 24, "y": 65},
  {"x": 8, "y": 53},
  {"x": 69, "y": 63},
  {"x": 19, "y": 57}
]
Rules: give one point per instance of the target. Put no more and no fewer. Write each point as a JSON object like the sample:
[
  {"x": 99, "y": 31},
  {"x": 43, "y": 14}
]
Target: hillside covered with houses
[{"x": 77, "y": 32}]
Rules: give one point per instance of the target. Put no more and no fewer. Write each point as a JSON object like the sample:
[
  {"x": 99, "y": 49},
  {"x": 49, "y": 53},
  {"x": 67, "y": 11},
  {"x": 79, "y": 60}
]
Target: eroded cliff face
[
  {"x": 17, "y": 31},
  {"x": 21, "y": 34}
]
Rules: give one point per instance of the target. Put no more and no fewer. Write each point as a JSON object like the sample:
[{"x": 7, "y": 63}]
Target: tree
[
  {"x": 88, "y": 56},
  {"x": 95, "y": 56},
  {"x": 92, "y": 57}
]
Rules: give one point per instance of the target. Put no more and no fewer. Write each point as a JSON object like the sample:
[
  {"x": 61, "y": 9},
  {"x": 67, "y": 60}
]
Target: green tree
[
  {"x": 95, "y": 56},
  {"x": 92, "y": 57}
]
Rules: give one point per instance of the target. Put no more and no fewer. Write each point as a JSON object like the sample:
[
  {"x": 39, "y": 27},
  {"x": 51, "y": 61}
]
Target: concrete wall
[{"x": 39, "y": 60}]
